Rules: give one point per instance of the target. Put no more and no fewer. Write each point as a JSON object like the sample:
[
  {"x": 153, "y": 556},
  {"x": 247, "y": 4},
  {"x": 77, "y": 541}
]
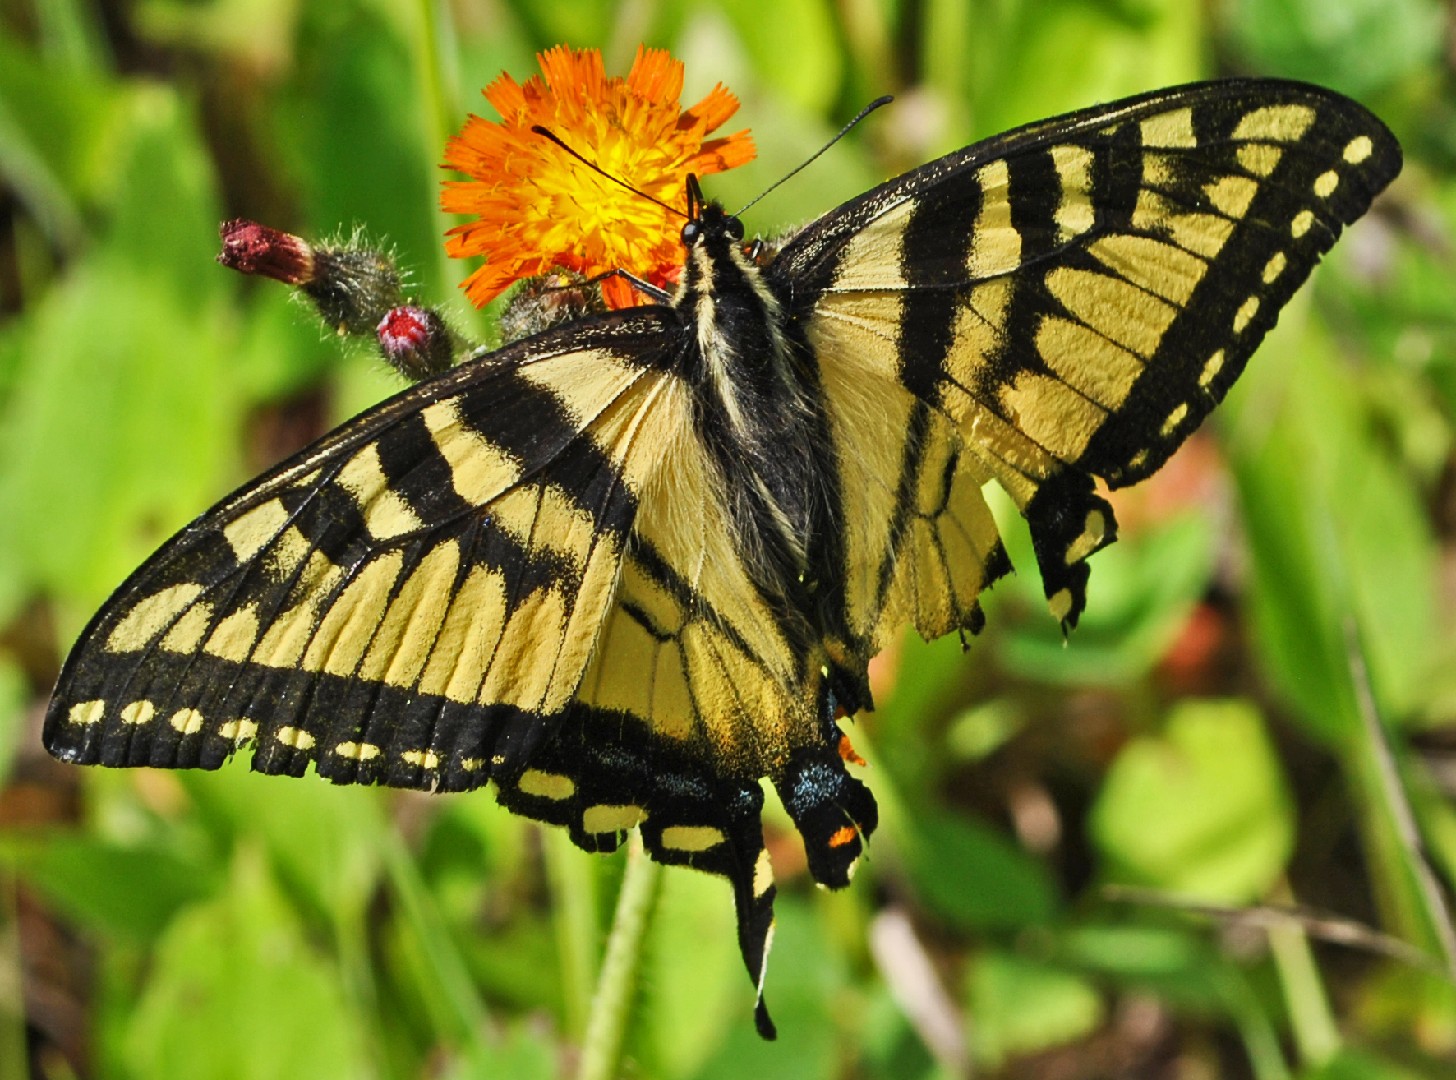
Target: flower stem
[{"x": 601, "y": 1050}]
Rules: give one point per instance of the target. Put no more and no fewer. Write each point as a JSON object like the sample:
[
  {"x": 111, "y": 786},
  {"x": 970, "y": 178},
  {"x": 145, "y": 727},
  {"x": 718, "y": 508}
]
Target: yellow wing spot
[
  {"x": 288, "y": 551},
  {"x": 691, "y": 837},
  {"x": 386, "y": 514},
  {"x": 871, "y": 259},
  {"x": 338, "y": 643},
  {"x": 148, "y": 618},
  {"x": 1301, "y": 223},
  {"x": 1074, "y": 214},
  {"x": 238, "y": 731},
  {"x": 1274, "y": 267},
  {"x": 1358, "y": 149},
  {"x": 1259, "y": 158},
  {"x": 233, "y": 637},
  {"x": 1051, "y": 413},
  {"x": 294, "y": 737},
  {"x": 1211, "y": 369},
  {"x": 1136, "y": 461},
  {"x": 1175, "y": 418},
  {"x": 1115, "y": 308},
  {"x": 1093, "y": 533},
  {"x": 763, "y": 878},
  {"x": 995, "y": 241},
  {"x": 1247, "y": 310},
  {"x": 1087, "y": 361},
  {"x": 470, "y": 764},
  {"x": 249, "y": 533},
  {"x": 553, "y": 786},
  {"x": 87, "y": 712},
  {"x": 357, "y": 751},
  {"x": 138, "y": 712},
  {"x": 1275, "y": 123},
  {"x": 521, "y": 671},
  {"x": 189, "y": 629},
  {"x": 1232, "y": 194},
  {"x": 187, "y": 721},
  {"x": 411, "y": 624},
  {"x": 606, "y": 818},
  {"x": 1170, "y": 129},
  {"x": 479, "y": 470},
  {"x": 424, "y": 759},
  {"x": 1060, "y": 603},
  {"x": 1202, "y": 234},
  {"x": 467, "y": 637},
  {"x": 1151, "y": 264},
  {"x": 1325, "y": 183},
  {"x": 583, "y": 383}
]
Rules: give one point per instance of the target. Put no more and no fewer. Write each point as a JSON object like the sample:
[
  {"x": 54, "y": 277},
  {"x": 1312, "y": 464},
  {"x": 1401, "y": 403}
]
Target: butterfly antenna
[
  {"x": 594, "y": 167},
  {"x": 871, "y": 107}
]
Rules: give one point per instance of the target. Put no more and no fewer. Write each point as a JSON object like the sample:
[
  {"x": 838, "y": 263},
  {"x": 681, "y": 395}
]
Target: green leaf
[
  {"x": 123, "y": 399},
  {"x": 1200, "y": 810},
  {"x": 1020, "y": 1005},
  {"x": 119, "y": 892},
  {"x": 323, "y": 840},
  {"x": 1142, "y": 591},
  {"x": 693, "y": 982},
  {"x": 237, "y": 993},
  {"x": 972, "y": 876},
  {"x": 1356, "y": 46},
  {"x": 805, "y": 984},
  {"x": 14, "y": 700},
  {"x": 1361, "y": 1065},
  {"x": 1338, "y": 538}
]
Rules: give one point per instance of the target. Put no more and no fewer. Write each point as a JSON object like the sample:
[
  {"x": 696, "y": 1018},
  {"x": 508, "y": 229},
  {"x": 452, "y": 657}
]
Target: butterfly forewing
[
  {"x": 1073, "y": 297},
  {"x": 412, "y": 597}
]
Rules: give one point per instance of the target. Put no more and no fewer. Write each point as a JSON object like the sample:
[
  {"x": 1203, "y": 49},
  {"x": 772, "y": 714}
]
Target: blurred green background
[{"x": 1089, "y": 854}]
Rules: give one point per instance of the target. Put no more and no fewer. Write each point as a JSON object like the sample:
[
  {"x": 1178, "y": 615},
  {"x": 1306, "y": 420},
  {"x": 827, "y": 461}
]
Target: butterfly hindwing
[{"x": 1075, "y": 296}]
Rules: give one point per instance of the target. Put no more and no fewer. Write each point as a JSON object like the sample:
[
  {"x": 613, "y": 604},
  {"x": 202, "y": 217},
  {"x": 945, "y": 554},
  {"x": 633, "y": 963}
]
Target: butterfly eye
[
  {"x": 690, "y": 233},
  {"x": 735, "y": 228}
]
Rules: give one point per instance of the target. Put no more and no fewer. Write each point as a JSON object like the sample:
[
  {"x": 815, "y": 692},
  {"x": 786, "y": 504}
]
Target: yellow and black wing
[
  {"x": 1063, "y": 302},
  {"x": 521, "y": 572},
  {"x": 413, "y": 600}
]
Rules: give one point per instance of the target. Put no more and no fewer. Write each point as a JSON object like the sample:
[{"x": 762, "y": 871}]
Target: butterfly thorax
[{"x": 753, "y": 410}]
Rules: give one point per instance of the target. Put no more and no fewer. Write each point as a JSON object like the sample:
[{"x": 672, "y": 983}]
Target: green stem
[
  {"x": 572, "y": 874},
  {"x": 601, "y": 1051},
  {"x": 1315, "y": 1032}
]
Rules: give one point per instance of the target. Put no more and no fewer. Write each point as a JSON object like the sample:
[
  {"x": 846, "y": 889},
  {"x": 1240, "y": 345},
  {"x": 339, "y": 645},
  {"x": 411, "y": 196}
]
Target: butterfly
[{"x": 627, "y": 567}]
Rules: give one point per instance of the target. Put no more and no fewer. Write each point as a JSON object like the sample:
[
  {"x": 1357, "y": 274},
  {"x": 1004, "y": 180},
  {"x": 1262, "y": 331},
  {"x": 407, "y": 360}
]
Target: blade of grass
[
  {"x": 455, "y": 1008},
  {"x": 1389, "y": 787}
]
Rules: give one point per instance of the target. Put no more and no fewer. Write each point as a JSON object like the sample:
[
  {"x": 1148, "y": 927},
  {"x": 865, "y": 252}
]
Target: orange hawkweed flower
[{"x": 538, "y": 209}]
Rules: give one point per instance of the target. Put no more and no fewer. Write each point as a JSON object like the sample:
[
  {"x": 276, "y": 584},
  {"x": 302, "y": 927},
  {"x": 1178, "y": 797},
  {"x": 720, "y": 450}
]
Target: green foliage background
[{"x": 1263, "y": 686}]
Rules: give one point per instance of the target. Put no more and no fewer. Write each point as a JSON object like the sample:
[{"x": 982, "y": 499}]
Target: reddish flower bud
[
  {"x": 416, "y": 342},
  {"x": 250, "y": 248}
]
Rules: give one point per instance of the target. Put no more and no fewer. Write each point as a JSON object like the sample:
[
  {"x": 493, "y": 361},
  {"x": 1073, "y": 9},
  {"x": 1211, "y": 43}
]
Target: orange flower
[{"x": 538, "y": 209}]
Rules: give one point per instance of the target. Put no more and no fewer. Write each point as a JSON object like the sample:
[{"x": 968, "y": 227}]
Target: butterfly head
[{"x": 708, "y": 221}]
